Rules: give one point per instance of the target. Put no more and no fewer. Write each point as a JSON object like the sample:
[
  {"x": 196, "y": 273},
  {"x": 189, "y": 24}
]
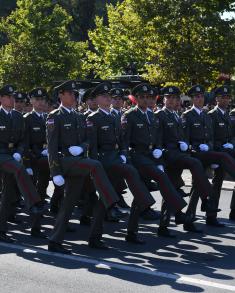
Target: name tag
[
  {"x": 105, "y": 127},
  {"x": 170, "y": 124},
  {"x": 67, "y": 125},
  {"x": 2, "y": 127},
  {"x": 196, "y": 124},
  {"x": 139, "y": 125},
  {"x": 221, "y": 124},
  {"x": 36, "y": 128}
]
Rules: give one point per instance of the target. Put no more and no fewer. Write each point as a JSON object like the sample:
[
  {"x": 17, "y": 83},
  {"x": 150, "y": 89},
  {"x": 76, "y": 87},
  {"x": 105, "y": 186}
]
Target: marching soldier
[
  {"x": 117, "y": 102},
  {"x": 143, "y": 138},
  {"x": 175, "y": 146},
  {"x": 107, "y": 145},
  {"x": 36, "y": 152},
  {"x": 69, "y": 164},
  {"x": 198, "y": 128},
  {"x": 224, "y": 131},
  {"x": 11, "y": 152}
]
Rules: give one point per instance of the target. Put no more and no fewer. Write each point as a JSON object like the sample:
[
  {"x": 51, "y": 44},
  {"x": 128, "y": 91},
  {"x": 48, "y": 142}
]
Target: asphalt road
[{"x": 189, "y": 263}]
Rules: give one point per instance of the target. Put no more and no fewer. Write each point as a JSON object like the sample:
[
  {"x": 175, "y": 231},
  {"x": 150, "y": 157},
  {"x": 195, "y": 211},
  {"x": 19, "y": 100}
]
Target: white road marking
[{"x": 112, "y": 265}]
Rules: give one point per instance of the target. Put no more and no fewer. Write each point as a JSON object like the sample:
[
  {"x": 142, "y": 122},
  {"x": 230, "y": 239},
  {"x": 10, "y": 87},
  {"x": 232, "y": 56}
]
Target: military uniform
[
  {"x": 107, "y": 145},
  {"x": 198, "y": 130},
  {"x": 173, "y": 136},
  {"x": 11, "y": 151},
  {"x": 65, "y": 129},
  {"x": 36, "y": 145},
  {"x": 141, "y": 133}
]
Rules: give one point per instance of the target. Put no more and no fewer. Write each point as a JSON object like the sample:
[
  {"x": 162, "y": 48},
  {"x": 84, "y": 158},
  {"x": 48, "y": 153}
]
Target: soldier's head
[
  {"x": 66, "y": 93},
  {"x": 152, "y": 100},
  {"x": 38, "y": 99},
  {"x": 170, "y": 94},
  {"x": 223, "y": 96},
  {"x": 178, "y": 105},
  {"x": 197, "y": 95},
  {"x": 27, "y": 105},
  {"x": 20, "y": 99},
  {"x": 142, "y": 94},
  {"x": 6, "y": 97},
  {"x": 90, "y": 99},
  {"x": 118, "y": 97},
  {"x": 102, "y": 95}
]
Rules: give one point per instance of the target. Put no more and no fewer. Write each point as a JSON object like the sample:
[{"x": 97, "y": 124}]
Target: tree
[
  {"x": 39, "y": 50},
  {"x": 171, "y": 40}
]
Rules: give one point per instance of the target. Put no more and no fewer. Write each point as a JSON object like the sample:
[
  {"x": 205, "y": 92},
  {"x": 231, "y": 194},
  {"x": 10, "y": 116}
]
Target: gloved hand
[
  {"x": 157, "y": 153},
  {"x": 160, "y": 167},
  {"x": 214, "y": 166},
  {"x": 183, "y": 146},
  {"x": 75, "y": 150},
  {"x": 29, "y": 171},
  {"x": 17, "y": 157},
  {"x": 123, "y": 159},
  {"x": 58, "y": 180},
  {"x": 228, "y": 146},
  {"x": 44, "y": 153},
  {"x": 203, "y": 147}
]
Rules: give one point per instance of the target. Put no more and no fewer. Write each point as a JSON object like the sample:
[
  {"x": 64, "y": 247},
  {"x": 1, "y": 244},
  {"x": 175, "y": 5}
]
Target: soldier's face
[
  {"x": 39, "y": 104},
  {"x": 7, "y": 101},
  {"x": 177, "y": 104},
  {"x": 92, "y": 104},
  {"x": 142, "y": 101},
  {"x": 198, "y": 100},
  {"x": 151, "y": 102},
  {"x": 67, "y": 98},
  {"x": 19, "y": 105},
  {"x": 170, "y": 102},
  {"x": 117, "y": 102},
  {"x": 104, "y": 100},
  {"x": 223, "y": 101}
]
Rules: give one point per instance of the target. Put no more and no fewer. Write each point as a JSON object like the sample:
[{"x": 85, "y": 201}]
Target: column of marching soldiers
[{"x": 94, "y": 156}]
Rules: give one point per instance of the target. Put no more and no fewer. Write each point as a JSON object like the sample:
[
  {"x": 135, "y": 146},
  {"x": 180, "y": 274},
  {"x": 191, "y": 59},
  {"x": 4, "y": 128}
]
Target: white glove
[
  {"x": 58, "y": 180},
  {"x": 203, "y": 147},
  {"x": 44, "y": 153},
  {"x": 160, "y": 167},
  {"x": 29, "y": 171},
  {"x": 183, "y": 146},
  {"x": 157, "y": 153},
  {"x": 214, "y": 166},
  {"x": 228, "y": 146},
  {"x": 123, "y": 159},
  {"x": 75, "y": 150},
  {"x": 17, "y": 157}
]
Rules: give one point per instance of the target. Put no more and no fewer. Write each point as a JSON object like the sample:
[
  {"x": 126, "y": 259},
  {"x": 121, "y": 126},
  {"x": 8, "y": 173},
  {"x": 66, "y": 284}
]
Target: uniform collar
[
  {"x": 199, "y": 111},
  {"x": 116, "y": 111},
  {"x": 38, "y": 114},
  {"x": 6, "y": 112},
  {"x": 166, "y": 109},
  {"x": 105, "y": 112},
  {"x": 66, "y": 109},
  {"x": 221, "y": 110},
  {"x": 142, "y": 111}
]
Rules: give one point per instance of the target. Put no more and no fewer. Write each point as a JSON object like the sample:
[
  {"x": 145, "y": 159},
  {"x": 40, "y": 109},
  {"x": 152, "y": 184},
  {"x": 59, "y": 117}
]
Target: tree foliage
[
  {"x": 171, "y": 40},
  {"x": 39, "y": 50}
]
